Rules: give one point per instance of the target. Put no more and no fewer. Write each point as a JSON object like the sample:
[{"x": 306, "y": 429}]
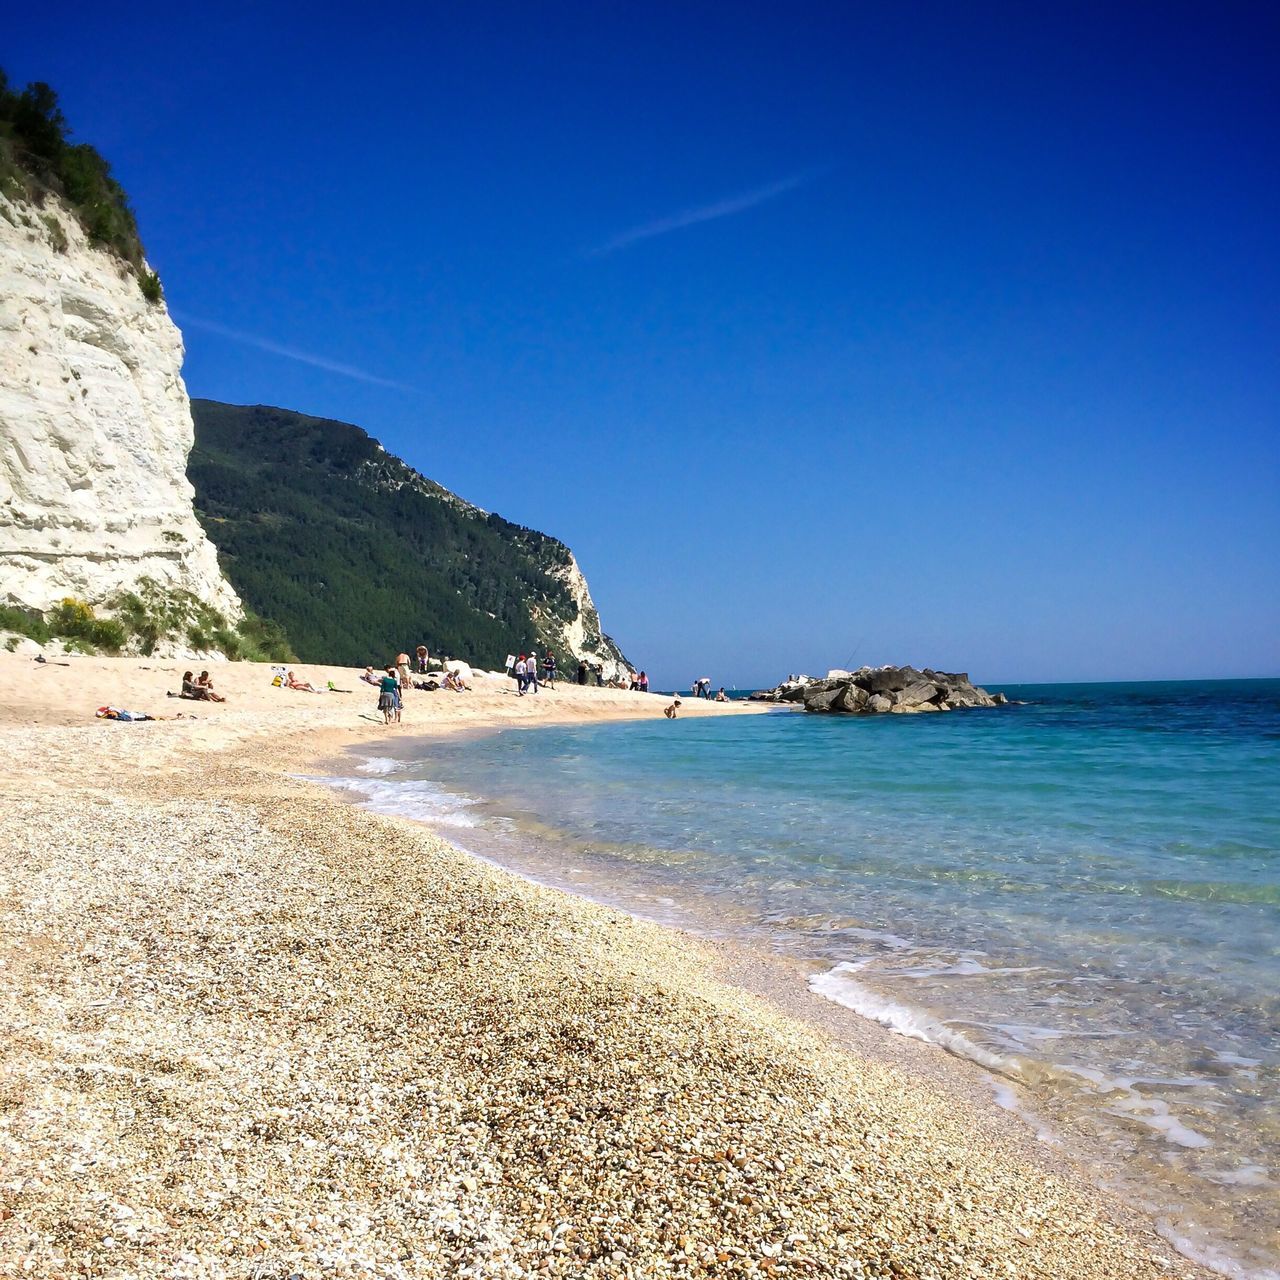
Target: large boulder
[
  {"x": 850, "y": 698},
  {"x": 880, "y": 679},
  {"x": 790, "y": 690},
  {"x": 916, "y": 692},
  {"x": 820, "y": 695}
]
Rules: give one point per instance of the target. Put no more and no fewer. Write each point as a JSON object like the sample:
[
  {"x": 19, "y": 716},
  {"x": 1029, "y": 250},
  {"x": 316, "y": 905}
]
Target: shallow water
[{"x": 1081, "y": 893}]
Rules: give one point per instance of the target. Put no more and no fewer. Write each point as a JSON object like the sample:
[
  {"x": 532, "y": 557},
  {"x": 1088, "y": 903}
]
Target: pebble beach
[{"x": 251, "y": 1030}]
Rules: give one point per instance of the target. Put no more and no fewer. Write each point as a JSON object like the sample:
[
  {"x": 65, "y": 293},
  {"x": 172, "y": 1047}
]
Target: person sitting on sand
[
  {"x": 389, "y": 695},
  {"x": 292, "y": 682},
  {"x": 453, "y": 680},
  {"x": 673, "y": 710},
  {"x": 205, "y": 682},
  {"x": 721, "y": 696},
  {"x": 370, "y": 678},
  {"x": 190, "y": 689}
]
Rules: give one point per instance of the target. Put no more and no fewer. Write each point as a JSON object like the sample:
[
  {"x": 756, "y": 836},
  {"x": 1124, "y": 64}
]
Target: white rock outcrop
[
  {"x": 582, "y": 638},
  {"x": 95, "y": 426}
]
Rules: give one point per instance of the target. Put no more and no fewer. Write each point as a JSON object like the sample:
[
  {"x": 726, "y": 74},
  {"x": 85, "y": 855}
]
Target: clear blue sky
[{"x": 823, "y": 334}]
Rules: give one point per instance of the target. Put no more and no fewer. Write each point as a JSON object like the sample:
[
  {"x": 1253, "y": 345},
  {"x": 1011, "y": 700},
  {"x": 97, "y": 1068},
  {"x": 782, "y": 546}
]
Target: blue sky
[{"x": 931, "y": 333}]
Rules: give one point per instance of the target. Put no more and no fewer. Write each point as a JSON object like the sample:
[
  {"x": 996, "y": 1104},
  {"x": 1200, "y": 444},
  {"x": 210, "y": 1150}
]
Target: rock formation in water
[
  {"x": 95, "y": 425},
  {"x": 877, "y": 690}
]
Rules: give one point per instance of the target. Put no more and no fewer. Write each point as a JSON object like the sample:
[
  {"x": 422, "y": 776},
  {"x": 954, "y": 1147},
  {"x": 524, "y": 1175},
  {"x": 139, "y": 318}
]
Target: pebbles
[{"x": 250, "y": 1031}]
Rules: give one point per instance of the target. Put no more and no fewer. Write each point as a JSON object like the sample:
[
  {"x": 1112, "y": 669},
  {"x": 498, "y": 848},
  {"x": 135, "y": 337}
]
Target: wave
[
  {"x": 1122, "y": 1099},
  {"x": 421, "y": 800},
  {"x": 839, "y": 986},
  {"x": 383, "y": 765}
]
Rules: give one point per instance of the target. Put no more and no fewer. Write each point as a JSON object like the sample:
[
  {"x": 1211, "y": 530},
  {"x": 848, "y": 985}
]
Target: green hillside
[{"x": 357, "y": 556}]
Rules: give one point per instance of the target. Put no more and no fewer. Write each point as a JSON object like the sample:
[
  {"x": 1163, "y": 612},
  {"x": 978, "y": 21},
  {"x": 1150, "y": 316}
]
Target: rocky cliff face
[
  {"x": 95, "y": 426},
  {"x": 574, "y": 633}
]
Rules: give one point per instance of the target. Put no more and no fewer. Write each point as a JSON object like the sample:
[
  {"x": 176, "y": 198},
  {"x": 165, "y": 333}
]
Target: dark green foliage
[
  {"x": 149, "y": 283},
  {"x": 142, "y": 621},
  {"x": 260, "y": 640},
  {"x": 37, "y": 157},
  {"x": 73, "y": 620},
  {"x": 26, "y": 622},
  {"x": 356, "y": 554}
]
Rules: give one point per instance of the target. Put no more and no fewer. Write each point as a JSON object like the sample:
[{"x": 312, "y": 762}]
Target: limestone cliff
[{"x": 95, "y": 426}]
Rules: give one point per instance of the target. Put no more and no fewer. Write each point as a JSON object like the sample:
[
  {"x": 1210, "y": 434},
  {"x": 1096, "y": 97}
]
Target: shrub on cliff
[
  {"x": 37, "y": 157},
  {"x": 74, "y": 620},
  {"x": 142, "y": 620}
]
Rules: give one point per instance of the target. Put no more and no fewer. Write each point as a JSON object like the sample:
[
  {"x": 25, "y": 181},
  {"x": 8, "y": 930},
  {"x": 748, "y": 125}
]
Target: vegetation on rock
[
  {"x": 357, "y": 555},
  {"x": 142, "y": 621},
  {"x": 38, "y": 158}
]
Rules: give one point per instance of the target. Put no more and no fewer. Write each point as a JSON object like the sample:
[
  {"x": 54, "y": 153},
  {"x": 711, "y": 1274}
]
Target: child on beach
[{"x": 672, "y": 710}]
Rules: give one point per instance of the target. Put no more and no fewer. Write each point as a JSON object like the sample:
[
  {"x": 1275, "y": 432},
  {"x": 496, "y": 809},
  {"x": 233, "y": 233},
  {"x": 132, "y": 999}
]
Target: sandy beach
[{"x": 252, "y": 1030}]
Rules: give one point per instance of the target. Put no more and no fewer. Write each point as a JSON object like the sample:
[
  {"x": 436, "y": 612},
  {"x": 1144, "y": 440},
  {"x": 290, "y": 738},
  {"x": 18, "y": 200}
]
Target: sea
[{"x": 1078, "y": 892}]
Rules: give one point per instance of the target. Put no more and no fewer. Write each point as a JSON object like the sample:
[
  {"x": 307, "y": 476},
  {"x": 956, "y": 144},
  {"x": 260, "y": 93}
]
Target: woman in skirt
[{"x": 389, "y": 696}]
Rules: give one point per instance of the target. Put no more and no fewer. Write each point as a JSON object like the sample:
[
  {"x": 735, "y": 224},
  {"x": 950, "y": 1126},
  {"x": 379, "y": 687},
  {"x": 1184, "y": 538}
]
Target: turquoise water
[{"x": 1081, "y": 893}]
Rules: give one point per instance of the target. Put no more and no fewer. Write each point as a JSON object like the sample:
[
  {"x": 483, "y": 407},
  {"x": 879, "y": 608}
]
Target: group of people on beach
[
  {"x": 199, "y": 688},
  {"x": 702, "y": 689},
  {"x": 529, "y": 673},
  {"x": 525, "y": 672},
  {"x": 393, "y": 681}
]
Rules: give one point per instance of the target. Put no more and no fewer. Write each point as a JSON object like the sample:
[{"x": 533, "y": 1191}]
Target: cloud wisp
[
  {"x": 705, "y": 212},
  {"x": 290, "y": 353}
]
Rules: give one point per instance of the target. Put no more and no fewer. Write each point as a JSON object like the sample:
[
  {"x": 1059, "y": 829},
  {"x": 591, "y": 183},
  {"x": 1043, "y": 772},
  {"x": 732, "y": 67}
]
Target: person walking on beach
[
  {"x": 521, "y": 670},
  {"x": 549, "y": 669},
  {"x": 531, "y": 672},
  {"x": 389, "y": 695}
]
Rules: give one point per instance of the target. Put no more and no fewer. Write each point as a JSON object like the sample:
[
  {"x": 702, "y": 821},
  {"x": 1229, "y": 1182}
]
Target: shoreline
[
  {"x": 249, "y": 1024},
  {"x": 783, "y": 981}
]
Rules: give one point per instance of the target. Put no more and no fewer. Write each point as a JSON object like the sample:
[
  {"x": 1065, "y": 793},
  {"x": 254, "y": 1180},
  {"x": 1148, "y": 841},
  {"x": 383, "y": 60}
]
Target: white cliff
[
  {"x": 581, "y": 636},
  {"x": 95, "y": 426}
]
